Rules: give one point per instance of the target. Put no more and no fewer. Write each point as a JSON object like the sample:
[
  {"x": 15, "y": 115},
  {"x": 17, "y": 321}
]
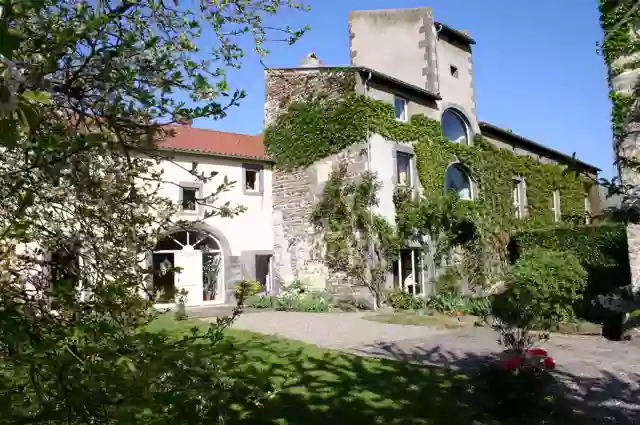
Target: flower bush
[{"x": 521, "y": 383}]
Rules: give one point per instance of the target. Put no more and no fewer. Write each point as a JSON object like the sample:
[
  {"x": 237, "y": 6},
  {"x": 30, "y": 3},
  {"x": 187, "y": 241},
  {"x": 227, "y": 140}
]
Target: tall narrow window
[
  {"x": 403, "y": 168},
  {"x": 252, "y": 180},
  {"x": 519, "y": 196},
  {"x": 516, "y": 198},
  {"x": 400, "y": 106},
  {"x": 555, "y": 205},
  {"x": 587, "y": 209},
  {"x": 189, "y": 196}
]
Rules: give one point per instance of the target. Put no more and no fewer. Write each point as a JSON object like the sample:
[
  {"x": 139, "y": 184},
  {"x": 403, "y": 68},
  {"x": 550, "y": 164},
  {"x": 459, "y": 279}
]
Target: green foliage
[
  {"x": 86, "y": 88},
  {"x": 399, "y": 299},
  {"x": 618, "y": 20},
  {"x": 320, "y": 126},
  {"x": 299, "y": 136},
  {"x": 311, "y": 130},
  {"x": 313, "y": 302},
  {"x": 602, "y": 251},
  {"x": 451, "y": 303},
  {"x": 360, "y": 244},
  {"x": 247, "y": 288},
  {"x": 543, "y": 289},
  {"x": 449, "y": 281},
  {"x": 261, "y": 301}
]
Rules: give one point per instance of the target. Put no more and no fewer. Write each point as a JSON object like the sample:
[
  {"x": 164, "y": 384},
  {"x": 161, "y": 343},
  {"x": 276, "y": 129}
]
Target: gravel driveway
[{"x": 603, "y": 375}]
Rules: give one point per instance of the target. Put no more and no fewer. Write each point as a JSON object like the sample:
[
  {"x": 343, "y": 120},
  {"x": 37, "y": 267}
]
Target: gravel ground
[{"x": 602, "y": 376}]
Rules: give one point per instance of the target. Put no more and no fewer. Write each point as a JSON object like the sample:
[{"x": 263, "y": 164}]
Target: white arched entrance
[{"x": 191, "y": 260}]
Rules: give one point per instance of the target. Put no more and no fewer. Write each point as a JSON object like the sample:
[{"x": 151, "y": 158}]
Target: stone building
[{"x": 430, "y": 75}]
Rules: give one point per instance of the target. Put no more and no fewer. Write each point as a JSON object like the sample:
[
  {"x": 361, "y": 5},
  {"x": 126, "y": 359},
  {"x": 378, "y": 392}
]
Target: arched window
[
  {"x": 457, "y": 179},
  {"x": 454, "y": 127}
]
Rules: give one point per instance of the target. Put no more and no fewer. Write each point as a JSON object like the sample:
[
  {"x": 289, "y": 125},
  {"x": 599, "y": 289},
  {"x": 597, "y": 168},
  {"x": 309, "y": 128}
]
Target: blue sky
[{"x": 537, "y": 70}]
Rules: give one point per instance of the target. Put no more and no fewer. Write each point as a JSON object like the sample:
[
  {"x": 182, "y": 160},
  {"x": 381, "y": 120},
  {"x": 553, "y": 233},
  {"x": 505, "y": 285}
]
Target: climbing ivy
[
  {"x": 618, "y": 19},
  {"x": 360, "y": 244},
  {"x": 313, "y": 129}
]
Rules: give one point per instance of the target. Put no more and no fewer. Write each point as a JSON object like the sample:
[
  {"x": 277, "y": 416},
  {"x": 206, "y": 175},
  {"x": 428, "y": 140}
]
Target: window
[
  {"x": 454, "y": 71},
  {"x": 454, "y": 127},
  {"x": 408, "y": 271},
  {"x": 519, "y": 194},
  {"x": 400, "y": 106},
  {"x": 587, "y": 209},
  {"x": 252, "y": 179},
  {"x": 251, "y": 183},
  {"x": 403, "y": 168},
  {"x": 555, "y": 205},
  {"x": 189, "y": 197},
  {"x": 457, "y": 180}
]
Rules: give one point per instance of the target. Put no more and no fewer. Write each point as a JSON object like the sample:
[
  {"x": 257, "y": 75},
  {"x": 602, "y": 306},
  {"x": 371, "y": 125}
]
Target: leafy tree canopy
[{"x": 86, "y": 91}]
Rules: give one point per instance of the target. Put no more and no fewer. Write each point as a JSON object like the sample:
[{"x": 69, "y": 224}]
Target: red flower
[
  {"x": 537, "y": 352},
  {"x": 549, "y": 363},
  {"x": 513, "y": 363}
]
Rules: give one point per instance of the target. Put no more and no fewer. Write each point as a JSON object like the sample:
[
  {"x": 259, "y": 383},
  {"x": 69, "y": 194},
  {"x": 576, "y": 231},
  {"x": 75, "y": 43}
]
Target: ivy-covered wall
[
  {"x": 318, "y": 127},
  {"x": 316, "y": 118}
]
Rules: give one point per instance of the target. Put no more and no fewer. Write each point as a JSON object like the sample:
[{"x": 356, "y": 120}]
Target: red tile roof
[{"x": 213, "y": 142}]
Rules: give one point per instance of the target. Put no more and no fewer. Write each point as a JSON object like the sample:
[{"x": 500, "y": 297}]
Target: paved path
[{"x": 603, "y": 375}]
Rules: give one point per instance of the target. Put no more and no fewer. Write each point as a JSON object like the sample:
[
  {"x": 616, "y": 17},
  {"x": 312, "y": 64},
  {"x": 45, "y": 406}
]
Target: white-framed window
[
  {"x": 400, "y": 107},
  {"x": 587, "y": 209},
  {"x": 518, "y": 190},
  {"x": 188, "y": 198},
  {"x": 403, "y": 169},
  {"x": 555, "y": 205},
  {"x": 457, "y": 179}
]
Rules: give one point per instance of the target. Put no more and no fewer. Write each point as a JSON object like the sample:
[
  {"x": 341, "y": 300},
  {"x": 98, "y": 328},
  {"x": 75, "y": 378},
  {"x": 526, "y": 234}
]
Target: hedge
[{"x": 602, "y": 251}]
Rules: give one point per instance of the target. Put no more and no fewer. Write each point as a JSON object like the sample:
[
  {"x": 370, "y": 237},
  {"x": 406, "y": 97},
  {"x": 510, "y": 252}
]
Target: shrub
[
  {"x": 449, "y": 281},
  {"x": 399, "y": 299},
  {"x": 261, "y": 300},
  {"x": 247, "y": 288},
  {"x": 447, "y": 303},
  {"x": 350, "y": 303},
  {"x": 312, "y": 302},
  {"x": 543, "y": 288},
  {"x": 478, "y": 306},
  {"x": 418, "y": 303},
  {"x": 602, "y": 251}
]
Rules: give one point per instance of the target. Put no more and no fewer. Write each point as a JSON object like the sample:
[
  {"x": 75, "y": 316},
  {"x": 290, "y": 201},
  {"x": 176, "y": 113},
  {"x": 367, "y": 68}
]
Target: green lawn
[{"x": 320, "y": 386}]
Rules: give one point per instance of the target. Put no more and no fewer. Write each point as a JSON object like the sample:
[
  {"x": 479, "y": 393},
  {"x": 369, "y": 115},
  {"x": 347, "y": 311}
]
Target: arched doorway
[{"x": 191, "y": 260}]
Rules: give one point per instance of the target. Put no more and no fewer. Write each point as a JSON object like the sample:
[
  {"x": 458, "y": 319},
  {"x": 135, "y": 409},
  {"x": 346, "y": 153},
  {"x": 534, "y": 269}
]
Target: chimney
[{"x": 310, "y": 61}]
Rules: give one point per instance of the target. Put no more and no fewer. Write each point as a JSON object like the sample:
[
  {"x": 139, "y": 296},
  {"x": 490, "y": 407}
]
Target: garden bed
[
  {"x": 446, "y": 321},
  {"x": 418, "y": 318}
]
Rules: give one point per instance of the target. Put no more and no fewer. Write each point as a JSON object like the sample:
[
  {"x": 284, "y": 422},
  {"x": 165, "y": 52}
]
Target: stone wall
[{"x": 297, "y": 246}]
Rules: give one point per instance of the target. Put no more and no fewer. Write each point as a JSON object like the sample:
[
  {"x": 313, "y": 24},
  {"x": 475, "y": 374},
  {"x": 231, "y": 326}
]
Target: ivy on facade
[
  {"x": 321, "y": 124},
  {"x": 618, "y": 19},
  {"x": 316, "y": 128}
]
